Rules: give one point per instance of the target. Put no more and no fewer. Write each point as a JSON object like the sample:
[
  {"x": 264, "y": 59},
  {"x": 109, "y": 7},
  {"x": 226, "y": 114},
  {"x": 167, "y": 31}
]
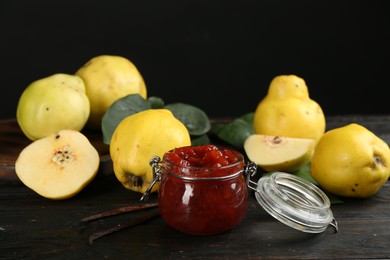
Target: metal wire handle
[{"x": 157, "y": 171}]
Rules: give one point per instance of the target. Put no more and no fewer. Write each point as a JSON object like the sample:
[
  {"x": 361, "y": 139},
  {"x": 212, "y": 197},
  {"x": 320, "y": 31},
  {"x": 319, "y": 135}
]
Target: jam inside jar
[{"x": 203, "y": 190}]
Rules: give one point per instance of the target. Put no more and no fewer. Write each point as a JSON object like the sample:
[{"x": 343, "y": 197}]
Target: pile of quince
[
  {"x": 290, "y": 132},
  {"x": 52, "y": 112},
  {"x": 109, "y": 94}
]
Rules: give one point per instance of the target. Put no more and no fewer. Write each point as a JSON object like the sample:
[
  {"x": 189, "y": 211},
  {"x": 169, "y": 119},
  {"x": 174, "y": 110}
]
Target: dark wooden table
[{"x": 32, "y": 227}]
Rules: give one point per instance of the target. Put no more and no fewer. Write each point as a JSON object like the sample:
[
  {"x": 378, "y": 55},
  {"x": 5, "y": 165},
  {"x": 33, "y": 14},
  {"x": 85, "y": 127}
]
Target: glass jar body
[{"x": 203, "y": 207}]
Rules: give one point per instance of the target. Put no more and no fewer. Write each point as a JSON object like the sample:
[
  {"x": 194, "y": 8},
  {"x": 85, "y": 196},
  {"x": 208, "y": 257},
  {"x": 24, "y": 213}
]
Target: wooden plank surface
[{"x": 32, "y": 227}]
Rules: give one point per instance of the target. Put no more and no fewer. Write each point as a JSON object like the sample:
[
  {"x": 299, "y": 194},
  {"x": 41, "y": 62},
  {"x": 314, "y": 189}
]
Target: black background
[{"x": 218, "y": 55}]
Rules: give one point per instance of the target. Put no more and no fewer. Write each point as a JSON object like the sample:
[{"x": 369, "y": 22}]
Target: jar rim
[
  {"x": 206, "y": 178},
  {"x": 240, "y": 160}
]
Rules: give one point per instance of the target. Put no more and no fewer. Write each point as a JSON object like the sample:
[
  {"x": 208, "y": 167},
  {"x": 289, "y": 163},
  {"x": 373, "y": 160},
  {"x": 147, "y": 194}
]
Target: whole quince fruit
[
  {"x": 51, "y": 104},
  {"x": 138, "y": 138},
  {"x": 108, "y": 78},
  {"x": 58, "y": 166},
  {"x": 287, "y": 110},
  {"x": 351, "y": 161}
]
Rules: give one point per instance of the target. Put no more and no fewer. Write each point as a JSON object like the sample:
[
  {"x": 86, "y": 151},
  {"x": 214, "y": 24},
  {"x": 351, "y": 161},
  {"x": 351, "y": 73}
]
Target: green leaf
[
  {"x": 304, "y": 173},
  {"x": 200, "y": 140},
  {"x": 195, "y": 119},
  {"x": 156, "y": 102},
  {"x": 235, "y": 132},
  {"x": 119, "y": 110}
]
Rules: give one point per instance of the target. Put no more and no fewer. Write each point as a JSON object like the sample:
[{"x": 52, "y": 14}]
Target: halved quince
[
  {"x": 279, "y": 153},
  {"x": 58, "y": 166}
]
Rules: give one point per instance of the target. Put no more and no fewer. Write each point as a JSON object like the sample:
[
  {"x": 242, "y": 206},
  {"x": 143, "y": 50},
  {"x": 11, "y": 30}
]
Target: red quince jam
[
  {"x": 203, "y": 190},
  {"x": 203, "y": 161}
]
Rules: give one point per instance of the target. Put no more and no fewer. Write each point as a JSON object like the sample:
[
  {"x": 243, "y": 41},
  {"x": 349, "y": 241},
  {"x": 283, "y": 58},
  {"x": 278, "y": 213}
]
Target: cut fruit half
[
  {"x": 279, "y": 153},
  {"x": 58, "y": 166}
]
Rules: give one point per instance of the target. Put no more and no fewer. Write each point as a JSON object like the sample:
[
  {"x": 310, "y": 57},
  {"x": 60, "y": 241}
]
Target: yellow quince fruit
[
  {"x": 108, "y": 78},
  {"x": 351, "y": 161},
  {"x": 138, "y": 138},
  {"x": 287, "y": 110},
  {"x": 51, "y": 104}
]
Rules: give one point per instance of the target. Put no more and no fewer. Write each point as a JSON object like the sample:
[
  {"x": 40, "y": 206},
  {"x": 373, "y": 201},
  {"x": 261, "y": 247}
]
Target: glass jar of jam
[{"x": 202, "y": 189}]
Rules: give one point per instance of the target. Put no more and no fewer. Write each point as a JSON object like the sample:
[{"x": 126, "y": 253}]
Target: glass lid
[{"x": 293, "y": 201}]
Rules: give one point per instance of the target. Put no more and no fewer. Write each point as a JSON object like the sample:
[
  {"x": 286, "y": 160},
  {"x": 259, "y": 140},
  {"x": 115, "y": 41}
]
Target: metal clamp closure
[
  {"x": 250, "y": 171},
  {"x": 157, "y": 171}
]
